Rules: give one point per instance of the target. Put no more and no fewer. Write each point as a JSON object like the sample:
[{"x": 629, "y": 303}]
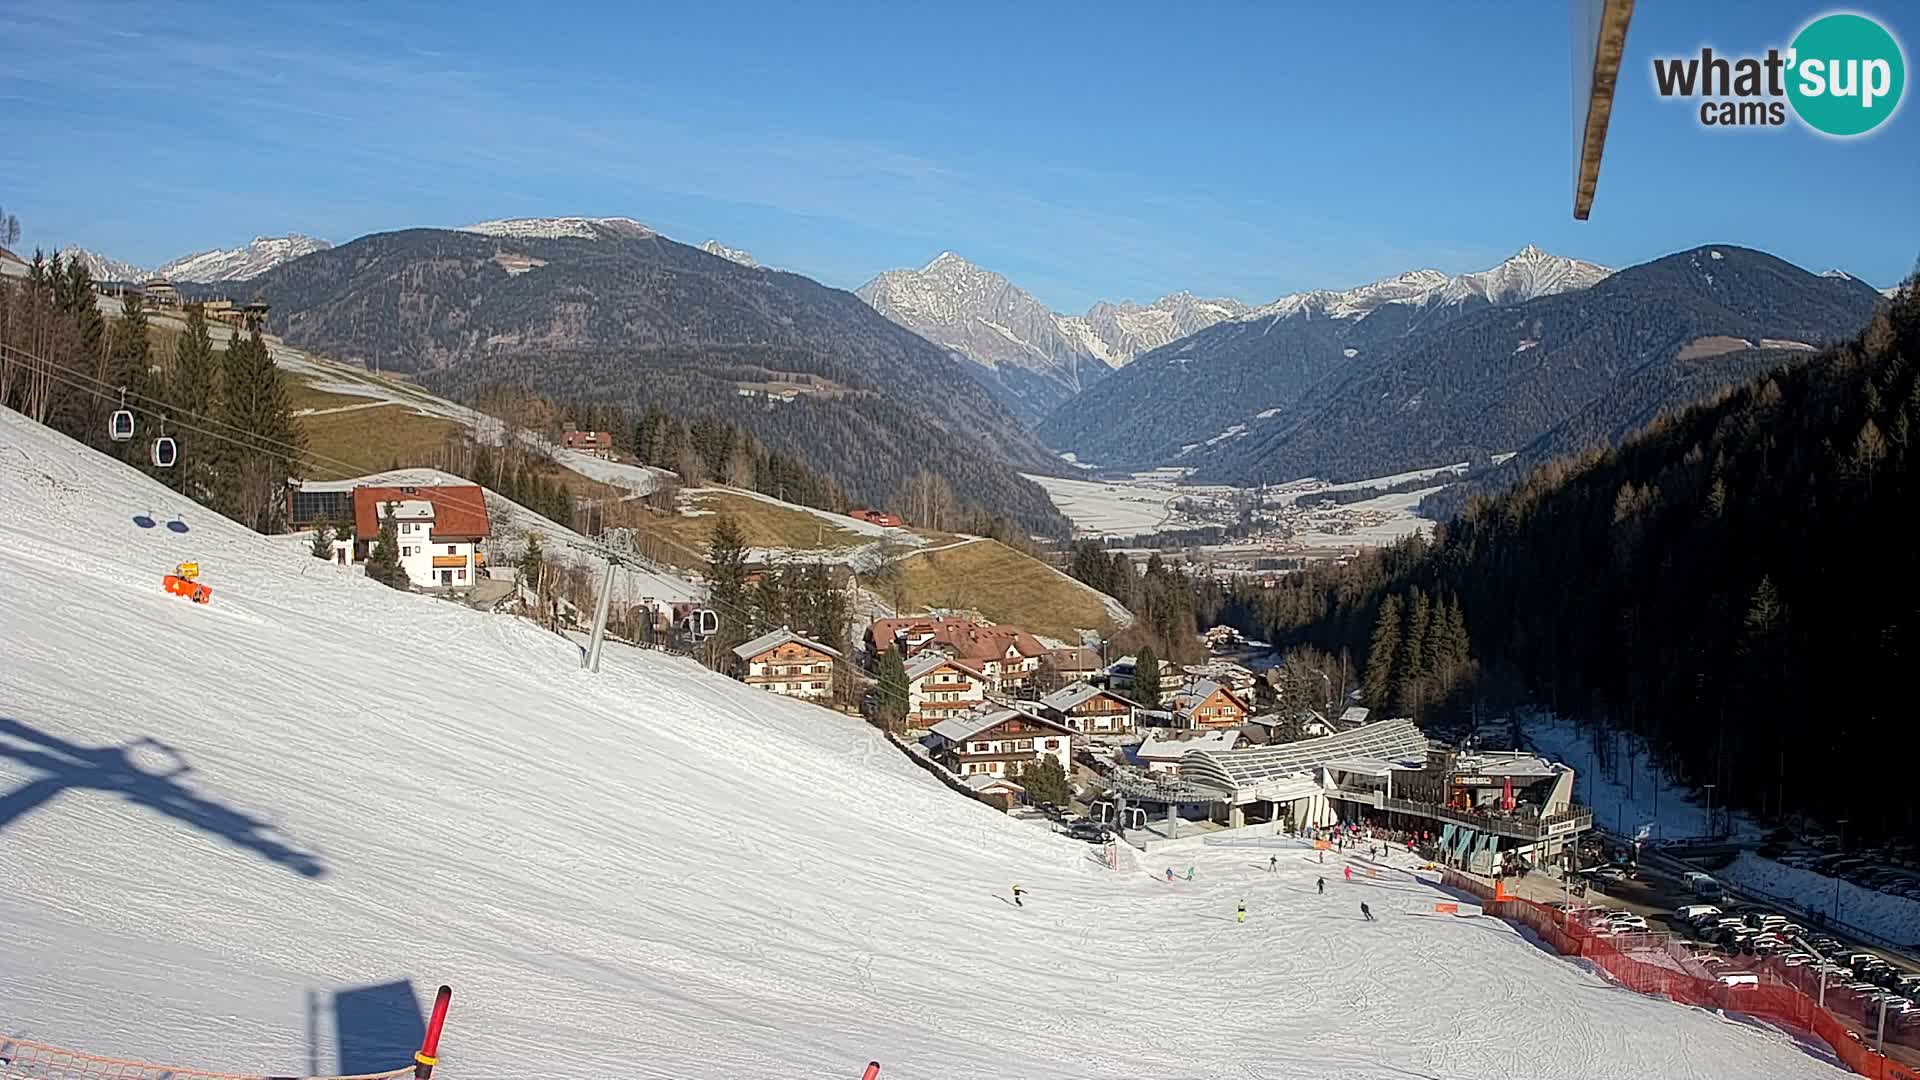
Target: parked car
[
  {"x": 1690, "y": 912},
  {"x": 1091, "y": 831}
]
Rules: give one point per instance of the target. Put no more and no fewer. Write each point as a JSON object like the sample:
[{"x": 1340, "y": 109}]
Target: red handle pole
[
  {"x": 873, "y": 1071},
  {"x": 428, "y": 1055}
]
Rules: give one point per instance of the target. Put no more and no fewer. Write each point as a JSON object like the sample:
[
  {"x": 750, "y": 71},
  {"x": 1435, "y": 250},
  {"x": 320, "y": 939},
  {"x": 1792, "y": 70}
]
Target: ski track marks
[{"x": 649, "y": 872}]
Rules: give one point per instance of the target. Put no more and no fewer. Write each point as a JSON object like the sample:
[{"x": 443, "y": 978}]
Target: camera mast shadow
[
  {"x": 377, "y": 1028},
  {"x": 66, "y": 766}
]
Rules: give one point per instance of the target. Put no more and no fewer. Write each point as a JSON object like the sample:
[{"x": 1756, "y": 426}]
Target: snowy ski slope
[{"x": 651, "y": 872}]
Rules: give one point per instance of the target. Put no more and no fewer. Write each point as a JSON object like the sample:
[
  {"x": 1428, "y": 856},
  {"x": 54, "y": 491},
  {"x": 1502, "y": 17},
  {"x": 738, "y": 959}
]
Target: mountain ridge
[
  {"x": 597, "y": 310},
  {"x": 1032, "y": 357},
  {"x": 1502, "y": 378},
  {"x": 207, "y": 267},
  {"x": 1219, "y": 381}
]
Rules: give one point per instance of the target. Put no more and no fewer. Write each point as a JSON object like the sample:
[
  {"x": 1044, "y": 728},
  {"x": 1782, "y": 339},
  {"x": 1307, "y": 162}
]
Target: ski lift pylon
[
  {"x": 165, "y": 453},
  {"x": 120, "y": 428}
]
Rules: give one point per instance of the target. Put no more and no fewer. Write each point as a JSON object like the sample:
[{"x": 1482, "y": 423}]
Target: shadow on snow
[{"x": 68, "y": 766}]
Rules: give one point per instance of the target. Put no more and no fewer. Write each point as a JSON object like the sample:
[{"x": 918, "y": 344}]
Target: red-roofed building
[
  {"x": 876, "y": 517},
  {"x": 439, "y": 529},
  {"x": 597, "y": 443},
  {"x": 1006, "y": 655}
]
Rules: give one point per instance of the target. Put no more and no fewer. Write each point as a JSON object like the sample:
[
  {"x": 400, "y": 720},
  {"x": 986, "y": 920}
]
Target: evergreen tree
[
  {"x": 193, "y": 387},
  {"x": 831, "y": 608},
  {"x": 322, "y": 543},
  {"x": 769, "y": 603},
  {"x": 533, "y": 562},
  {"x": 1383, "y": 651},
  {"x": 128, "y": 370},
  {"x": 1146, "y": 678},
  {"x": 383, "y": 562},
  {"x": 1412, "y": 666},
  {"x": 727, "y": 582},
  {"x": 891, "y": 694},
  {"x": 257, "y": 416},
  {"x": 1046, "y": 782}
]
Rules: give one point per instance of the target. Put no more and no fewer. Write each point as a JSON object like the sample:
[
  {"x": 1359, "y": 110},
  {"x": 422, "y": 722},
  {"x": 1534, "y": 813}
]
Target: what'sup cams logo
[{"x": 1842, "y": 76}]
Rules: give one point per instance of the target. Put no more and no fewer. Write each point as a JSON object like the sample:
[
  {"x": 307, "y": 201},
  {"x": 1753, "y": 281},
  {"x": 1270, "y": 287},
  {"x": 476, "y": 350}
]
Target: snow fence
[{"x": 1653, "y": 964}]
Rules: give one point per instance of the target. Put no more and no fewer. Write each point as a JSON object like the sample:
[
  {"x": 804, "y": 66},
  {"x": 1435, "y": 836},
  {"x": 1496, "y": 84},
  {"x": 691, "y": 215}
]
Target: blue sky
[{"x": 1086, "y": 151}]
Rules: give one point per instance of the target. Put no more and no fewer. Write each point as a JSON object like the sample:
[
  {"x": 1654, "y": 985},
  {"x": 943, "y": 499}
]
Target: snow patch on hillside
[
  {"x": 554, "y": 228},
  {"x": 242, "y": 263},
  {"x": 1893, "y": 918}
]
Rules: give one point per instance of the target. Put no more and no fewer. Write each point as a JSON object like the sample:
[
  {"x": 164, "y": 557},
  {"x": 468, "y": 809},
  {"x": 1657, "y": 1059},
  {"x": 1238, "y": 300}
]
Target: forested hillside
[
  {"x": 1738, "y": 583},
  {"x": 631, "y": 318},
  {"x": 1501, "y": 378}
]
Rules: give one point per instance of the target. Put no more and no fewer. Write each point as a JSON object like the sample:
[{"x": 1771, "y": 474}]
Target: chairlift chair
[
  {"x": 165, "y": 453},
  {"x": 120, "y": 428}
]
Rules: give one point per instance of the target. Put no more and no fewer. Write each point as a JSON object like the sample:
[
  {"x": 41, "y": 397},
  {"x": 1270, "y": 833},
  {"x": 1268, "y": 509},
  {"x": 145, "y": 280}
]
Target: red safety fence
[
  {"x": 1764, "y": 987},
  {"x": 24, "y": 1060}
]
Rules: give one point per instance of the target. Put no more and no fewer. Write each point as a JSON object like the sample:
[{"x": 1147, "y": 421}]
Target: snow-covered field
[
  {"x": 219, "y": 821},
  {"x": 1893, "y": 918},
  {"x": 1642, "y": 795},
  {"x": 1399, "y": 521},
  {"x": 1110, "y": 509}
]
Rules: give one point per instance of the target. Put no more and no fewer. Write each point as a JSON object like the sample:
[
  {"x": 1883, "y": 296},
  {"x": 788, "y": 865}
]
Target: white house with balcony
[
  {"x": 438, "y": 528},
  {"x": 939, "y": 687},
  {"x": 1000, "y": 742}
]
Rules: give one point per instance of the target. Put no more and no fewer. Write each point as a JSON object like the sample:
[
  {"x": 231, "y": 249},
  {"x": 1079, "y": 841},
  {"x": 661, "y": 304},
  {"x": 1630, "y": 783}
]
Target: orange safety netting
[
  {"x": 1655, "y": 964},
  {"x": 22, "y": 1060}
]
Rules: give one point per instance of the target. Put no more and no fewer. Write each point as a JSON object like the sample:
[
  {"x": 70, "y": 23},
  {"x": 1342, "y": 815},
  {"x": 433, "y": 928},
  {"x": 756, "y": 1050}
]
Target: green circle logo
[{"x": 1847, "y": 74}]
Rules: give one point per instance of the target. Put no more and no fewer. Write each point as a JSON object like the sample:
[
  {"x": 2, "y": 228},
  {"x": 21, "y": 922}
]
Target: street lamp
[
  {"x": 1836, "y": 877},
  {"x": 1709, "y": 788}
]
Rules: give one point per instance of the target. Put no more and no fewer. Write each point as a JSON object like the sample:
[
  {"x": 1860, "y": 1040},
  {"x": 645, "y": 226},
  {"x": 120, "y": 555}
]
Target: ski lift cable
[
  {"x": 153, "y": 402},
  {"x": 262, "y": 443},
  {"x": 259, "y": 444}
]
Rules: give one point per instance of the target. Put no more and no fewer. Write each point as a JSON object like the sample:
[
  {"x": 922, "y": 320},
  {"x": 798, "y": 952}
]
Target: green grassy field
[
  {"x": 764, "y": 524},
  {"x": 1002, "y": 584},
  {"x": 371, "y": 440}
]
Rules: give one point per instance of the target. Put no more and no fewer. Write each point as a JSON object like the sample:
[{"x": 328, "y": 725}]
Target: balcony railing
[{"x": 1520, "y": 824}]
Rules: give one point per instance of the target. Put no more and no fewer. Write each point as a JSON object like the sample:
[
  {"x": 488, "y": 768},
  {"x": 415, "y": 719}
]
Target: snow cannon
[{"x": 184, "y": 581}]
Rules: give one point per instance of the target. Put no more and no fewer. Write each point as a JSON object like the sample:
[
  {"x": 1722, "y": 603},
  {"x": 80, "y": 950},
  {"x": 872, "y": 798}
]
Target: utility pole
[
  {"x": 1709, "y": 788},
  {"x": 1836, "y": 877},
  {"x": 591, "y": 661}
]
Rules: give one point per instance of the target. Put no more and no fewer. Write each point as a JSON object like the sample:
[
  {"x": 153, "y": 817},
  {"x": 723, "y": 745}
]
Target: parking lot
[{"x": 1748, "y": 937}]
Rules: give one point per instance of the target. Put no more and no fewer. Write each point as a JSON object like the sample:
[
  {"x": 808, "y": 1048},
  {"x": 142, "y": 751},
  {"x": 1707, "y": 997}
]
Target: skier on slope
[
  {"x": 1366, "y": 913},
  {"x": 1017, "y": 890},
  {"x": 1243, "y": 911},
  {"x": 1189, "y": 871},
  {"x": 1273, "y": 864},
  {"x": 1349, "y": 872},
  {"x": 1169, "y": 873},
  {"x": 1323, "y": 886}
]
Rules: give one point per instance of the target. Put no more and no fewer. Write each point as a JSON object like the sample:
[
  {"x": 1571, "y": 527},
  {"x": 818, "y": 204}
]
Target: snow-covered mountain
[
  {"x": 715, "y": 247},
  {"x": 241, "y": 263},
  {"x": 1531, "y": 272},
  {"x": 1120, "y": 332},
  {"x": 218, "y": 264},
  {"x": 551, "y": 228},
  {"x": 1232, "y": 378},
  {"x": 101, "y": 267},
  {"x": 1034, "y": 357}
]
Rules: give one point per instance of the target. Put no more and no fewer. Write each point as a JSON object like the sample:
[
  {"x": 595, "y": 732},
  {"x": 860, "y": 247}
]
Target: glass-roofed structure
[{"x": 1242, "y": 772}]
